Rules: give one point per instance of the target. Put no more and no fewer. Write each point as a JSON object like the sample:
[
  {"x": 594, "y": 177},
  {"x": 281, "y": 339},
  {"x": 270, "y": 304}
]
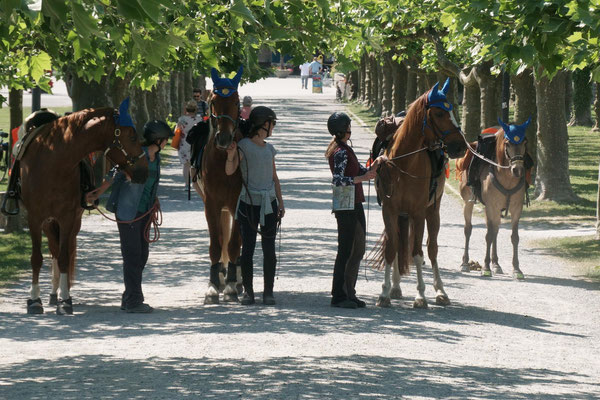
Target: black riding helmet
[
  {"x": 338, "y": 123},
  {"x": 259, "y": 115},
  {"x": 155, "y": 130}
]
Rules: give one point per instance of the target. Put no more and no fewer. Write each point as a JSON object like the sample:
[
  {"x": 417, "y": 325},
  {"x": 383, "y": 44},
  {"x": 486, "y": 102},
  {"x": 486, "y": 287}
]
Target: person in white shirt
[{"x": 304, "y": 74}]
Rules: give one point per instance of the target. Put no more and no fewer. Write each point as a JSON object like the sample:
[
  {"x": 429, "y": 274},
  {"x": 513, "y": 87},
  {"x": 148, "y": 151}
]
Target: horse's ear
[
  {"x": 434, "y": 89},
  {"x": 124, "y": 106},
  {"x": 505, "y": 127},
  {"x": 238, "y": 76},
  {"x": 446, "y": 86},
  {"x": 214, "y": 74},
  {"x": 526, "y": 124}
]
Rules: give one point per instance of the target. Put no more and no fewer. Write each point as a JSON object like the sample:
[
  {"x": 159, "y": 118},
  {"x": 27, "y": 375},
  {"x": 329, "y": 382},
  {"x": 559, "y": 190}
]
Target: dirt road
[{"x": 499, "y": 339}]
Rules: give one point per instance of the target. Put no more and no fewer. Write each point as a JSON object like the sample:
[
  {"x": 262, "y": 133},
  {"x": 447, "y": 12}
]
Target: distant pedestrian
[
  {"x": 190, "y": 118},
  {"x": 305, "y": 74},
  {"x": 246, "y": 107},
  {"x": 201, "y": 106}
]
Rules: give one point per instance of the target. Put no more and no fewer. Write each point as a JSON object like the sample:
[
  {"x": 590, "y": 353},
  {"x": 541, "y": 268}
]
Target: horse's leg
[
  {"x": 225, "y": 229},
  {"x": 51, "y": 231},
  {"x": 396, "y": 292},
  {"x": 514, "y": 238},
  {"x": 65, "y": 260},
  {"x": 433, "y": 229},
  {"x": 390, "y": 254},
  {"x": 214, "y": 250},
  {"x": 468, "y": 215},
  {"x": 384, "y": 298},
  {"x": 419, "y": 227},
  {"x": 34, "y": 303},
  {"x": 230, "y": 293},
  {"x": 492, "y": 222},
  {"x": 495, "y": 264}
]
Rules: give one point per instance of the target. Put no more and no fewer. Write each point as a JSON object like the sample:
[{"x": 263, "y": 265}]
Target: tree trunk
[
  {"x": 569, "y": 96},
  {"x": 118, "y": 90},
  {"x": 368, "y": 83},
  {"x": 422, "y": 84},
  {"x": 374, "y": 83},
  {"x": 362, "y": 76},
  {"x": 181, "y": 92},
  {"x": 411, "y": 87},
  {"x": 399, "y": 92},
  {"x": 525, "y": 106},
  {"x": 87, "y": 94},
  {"x": 380, "y": 88},
  {"x": 138, "y": 108},
  {"x": 174, "y": 96},
  {"x": 582, "y": 98},
  {"x": 597, "y": 109},
  {"x": 189, "y": 84},
  {"x": 353, "y": 85},
  {"x": 387, "y": 78},
  {"x": 471, "y": 110},
  {"x": 598, "y": 207},
  {"x": 489, "y": 95},
  {"x": 552, "y": 179},
  {"x": 14, "y": 223}
]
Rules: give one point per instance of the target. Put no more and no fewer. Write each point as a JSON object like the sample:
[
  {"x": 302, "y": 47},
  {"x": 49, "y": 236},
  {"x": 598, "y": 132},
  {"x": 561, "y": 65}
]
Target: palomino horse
[
  {"x": 411, "y": 185},
  {"x": 51, "y": 191},
  {"x": 220, "y": 191},
  {"x": 503, "y": 187}
]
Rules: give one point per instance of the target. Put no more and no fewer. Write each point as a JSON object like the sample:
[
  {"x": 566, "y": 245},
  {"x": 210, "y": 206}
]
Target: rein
[{"x": 154, "y": 222}]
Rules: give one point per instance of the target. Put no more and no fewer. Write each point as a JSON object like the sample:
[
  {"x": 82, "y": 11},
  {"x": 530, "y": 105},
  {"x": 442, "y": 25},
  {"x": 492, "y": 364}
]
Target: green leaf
[
  {"x": 39, "y": 63},
  {"x": 596, "y": 74},
  {"x": 240, "y": 9},
  {"x": 85, "y": 24},
  {"x": 151, "y": 8},
  {"x": 129, "y": 10},
  {"x": 55, "y": 9}
]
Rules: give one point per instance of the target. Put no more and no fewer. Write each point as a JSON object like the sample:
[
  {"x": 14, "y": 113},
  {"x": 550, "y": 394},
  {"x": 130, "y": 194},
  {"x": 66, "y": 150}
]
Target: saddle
[{"x": 197, "y": 137}]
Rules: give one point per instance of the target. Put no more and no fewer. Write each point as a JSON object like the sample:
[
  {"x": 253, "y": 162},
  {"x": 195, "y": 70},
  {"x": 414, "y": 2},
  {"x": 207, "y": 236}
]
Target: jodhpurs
[
  {"x": 248, "y": 217},
  {"x": 351, "y": 248},
  {"x": 134, "y": 249}
]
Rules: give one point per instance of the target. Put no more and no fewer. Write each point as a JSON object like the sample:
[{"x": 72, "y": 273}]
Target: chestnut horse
[
  {"x": 220, "y": 191},
  {"x": 503, "y": 187},
  {"x": 51, "y": 190},
  {"x": 411, "y": 185}
]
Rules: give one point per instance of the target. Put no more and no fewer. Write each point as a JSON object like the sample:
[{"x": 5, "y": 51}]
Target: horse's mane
[
  {"x": 412, "y": 122},
  {"x": 500, "y": 147}
]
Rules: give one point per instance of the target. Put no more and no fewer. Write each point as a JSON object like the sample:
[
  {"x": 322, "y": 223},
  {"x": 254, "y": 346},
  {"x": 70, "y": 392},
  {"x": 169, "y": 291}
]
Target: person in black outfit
[{"x": 350, "y": 223}]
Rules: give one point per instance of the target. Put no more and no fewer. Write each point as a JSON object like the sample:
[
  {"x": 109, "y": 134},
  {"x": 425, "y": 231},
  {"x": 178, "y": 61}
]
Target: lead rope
[{"x": 153, "y": 223}]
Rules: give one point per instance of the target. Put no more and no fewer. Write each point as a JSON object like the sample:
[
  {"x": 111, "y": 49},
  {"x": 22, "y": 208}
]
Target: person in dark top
[
  {"x": 351, "y": 224},
  {"x": 133, "y": 203}
]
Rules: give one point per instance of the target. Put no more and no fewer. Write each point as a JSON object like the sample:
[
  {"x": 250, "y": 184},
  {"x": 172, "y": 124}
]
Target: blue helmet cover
[
  {"x": 124, "y": 117},
  {"x": 225, "y": 87},
  {"x": 437, "y": 98},
  {"x": 515, "y": 133}
]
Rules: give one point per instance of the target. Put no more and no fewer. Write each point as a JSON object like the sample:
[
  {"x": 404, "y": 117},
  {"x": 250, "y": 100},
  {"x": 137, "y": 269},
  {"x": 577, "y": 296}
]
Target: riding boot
[
  {"x": 247, "y": 277},
  {"x": 231, "y": 272},
  {"x": 269, "y": 280},
  {"x": 214, "y": 274}
]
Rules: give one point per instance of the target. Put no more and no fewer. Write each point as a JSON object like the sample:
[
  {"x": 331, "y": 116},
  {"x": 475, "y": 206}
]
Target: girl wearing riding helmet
[
  {"x": 260, "y": 200},
  {"x": 350, "y": 223},
  {"x": 131, "y": 201}
]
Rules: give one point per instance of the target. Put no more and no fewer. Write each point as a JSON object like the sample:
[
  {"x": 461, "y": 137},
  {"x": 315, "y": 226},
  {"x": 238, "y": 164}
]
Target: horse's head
[
  {"x": 439, "y": 123},
  {"x": 125, "y": 149},
  {"x": 512, "y": 146},
  {"x": 225, "y": 108}
]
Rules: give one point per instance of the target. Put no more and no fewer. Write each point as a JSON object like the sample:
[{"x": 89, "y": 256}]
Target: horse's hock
[{"x": 13, "y": 223}]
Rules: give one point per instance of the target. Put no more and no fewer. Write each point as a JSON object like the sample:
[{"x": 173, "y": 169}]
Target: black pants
[
  {"x": 134, "y": 249},
  {"x": 248, "y": 217},
  {"x": 351, "y": 248}
]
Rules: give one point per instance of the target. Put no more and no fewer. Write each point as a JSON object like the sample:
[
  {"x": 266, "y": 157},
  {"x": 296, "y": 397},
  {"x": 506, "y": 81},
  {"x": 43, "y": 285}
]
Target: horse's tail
[
  {"x": 376, "y": 257},
  {"x": 403, "y": 244}
]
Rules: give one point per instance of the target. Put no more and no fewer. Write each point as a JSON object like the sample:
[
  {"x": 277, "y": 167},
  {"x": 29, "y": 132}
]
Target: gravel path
[{"x": 499, "y": 339}]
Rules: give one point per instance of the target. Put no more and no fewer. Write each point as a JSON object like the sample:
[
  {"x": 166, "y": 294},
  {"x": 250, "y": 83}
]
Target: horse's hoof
[
  {"x": 465, "y": 267},
  {"x": 442, "y": 300},
  {"x": 486, "y": 273},
  {"x": 53, "y": 300},
  {"x": 65, "y": 307},
  {"x": 383, "y": 302},
  {"x": 35, "y": 306},
  {"x": 211, "y": 299},
  {"x": 396, "y": 293},
  {"x": 420, "y": 303},
  {"x": 240, "y": 288},
  {"x": 518, "y": 275},
  {"x": 230, "y": 298},
  {"x": 498, "y": 270}
]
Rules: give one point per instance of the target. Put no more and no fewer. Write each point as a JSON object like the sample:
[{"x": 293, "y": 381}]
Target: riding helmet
[
  {"x": 261, "y": 114},
  {"x": 155, "y": 130},
  {"x": 338, "y": 123}
]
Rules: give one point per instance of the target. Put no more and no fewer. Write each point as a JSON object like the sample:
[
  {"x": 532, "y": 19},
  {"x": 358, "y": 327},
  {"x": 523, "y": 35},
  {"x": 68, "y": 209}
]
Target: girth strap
[{"x": 507, "y": 192}]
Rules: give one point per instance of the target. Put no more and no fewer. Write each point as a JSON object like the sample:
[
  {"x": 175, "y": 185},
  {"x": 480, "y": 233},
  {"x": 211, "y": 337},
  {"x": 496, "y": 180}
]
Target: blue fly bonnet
[
  {"x": 225, "y": 87},
  {"x": 514, "y": 133},
  {"x": 124, "y": 119},
  {"x": 437, "y": 98}
]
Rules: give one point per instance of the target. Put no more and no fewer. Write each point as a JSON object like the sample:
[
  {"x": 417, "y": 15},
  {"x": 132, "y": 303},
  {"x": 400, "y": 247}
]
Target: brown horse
[
  {"x": 411, "y": 185},
  {"x": 51, "y": 186},
  {"x": 220, "y": 191},
  {"x": 503, "y": 187}
]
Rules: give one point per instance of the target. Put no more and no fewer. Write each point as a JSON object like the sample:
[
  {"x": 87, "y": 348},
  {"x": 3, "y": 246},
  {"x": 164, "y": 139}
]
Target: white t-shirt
[{"x": 305, "y": 69}]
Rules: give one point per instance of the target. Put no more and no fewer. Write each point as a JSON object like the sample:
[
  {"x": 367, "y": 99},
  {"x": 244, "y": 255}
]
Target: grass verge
[
  {"x": 582, "y": 250},
  {"x": 15, "y": 250}
]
